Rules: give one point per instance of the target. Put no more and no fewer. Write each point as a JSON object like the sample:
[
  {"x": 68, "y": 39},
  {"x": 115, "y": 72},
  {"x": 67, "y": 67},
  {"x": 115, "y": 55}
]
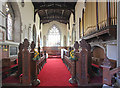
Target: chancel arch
[{"x": 54, "y": 36}]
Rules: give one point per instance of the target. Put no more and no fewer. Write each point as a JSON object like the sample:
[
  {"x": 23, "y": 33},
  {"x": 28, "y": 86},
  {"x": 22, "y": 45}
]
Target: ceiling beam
[
  {"x": 54, "y": 14},
  {"x": 55, "y": 8},
  {"x": 64, "y": 19},
  {"x": 47, "y": 21}
]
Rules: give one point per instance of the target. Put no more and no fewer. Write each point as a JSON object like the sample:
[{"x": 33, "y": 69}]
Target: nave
[
  {"x": 54, "y": 74},
  {"x": 84, "y": 35}
]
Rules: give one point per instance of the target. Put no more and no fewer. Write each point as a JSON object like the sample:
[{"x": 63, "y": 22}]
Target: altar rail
[{"x": 53, "y": 50}]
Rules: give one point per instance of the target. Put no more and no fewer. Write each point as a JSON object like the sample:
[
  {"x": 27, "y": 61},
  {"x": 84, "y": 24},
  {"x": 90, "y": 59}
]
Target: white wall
[
  {"x": 78, "y": 14},
  {"x": 112, "y": 52},
  {"x": 27, "y": 18},
  {"x": 62, "y": 27}
]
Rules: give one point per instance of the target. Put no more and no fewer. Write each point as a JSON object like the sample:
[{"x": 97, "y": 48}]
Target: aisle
[{"x": 54, "y": 73}]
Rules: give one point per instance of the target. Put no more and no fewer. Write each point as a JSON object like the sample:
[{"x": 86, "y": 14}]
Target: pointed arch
[
  {"x": 14, "y": 14},
  {"x": 54, "y": 36}
]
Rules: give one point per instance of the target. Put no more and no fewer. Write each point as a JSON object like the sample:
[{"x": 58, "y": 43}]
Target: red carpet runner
[{"x": 54, "y": 73}]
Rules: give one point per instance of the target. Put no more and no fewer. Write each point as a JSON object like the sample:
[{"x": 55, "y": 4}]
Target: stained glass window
[
  {"x": 53, "y": 37},
  {"x": 9, "y": 24}
]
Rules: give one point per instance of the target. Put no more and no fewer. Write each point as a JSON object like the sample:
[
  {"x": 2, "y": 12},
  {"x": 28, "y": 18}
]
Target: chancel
[{"x": 61, "y": 43}]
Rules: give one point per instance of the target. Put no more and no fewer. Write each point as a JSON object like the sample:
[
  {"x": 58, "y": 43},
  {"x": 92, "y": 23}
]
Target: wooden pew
[
  {"x": 20, "y": 59},
  {"x": 66, "y": 59},
  {"x": 30, "y": 67},
  {"x": 73, "y": 64},
  {"x": 108, "y": 73},
  {"x": 83, "y": 65},
  {"x": 9, "y": 66},
  {"x": 26, "y": 64},
  {"x": 34, "y": 70}
]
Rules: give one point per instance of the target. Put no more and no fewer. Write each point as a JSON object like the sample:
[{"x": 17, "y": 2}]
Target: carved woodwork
[
  {"x": 72, "y": 80},
  {"x": 52, "y": 50},
  {"x": 73, "y": 64},
  {"x": 33, "y": 63},
  {"x": 108, "y": 32},
  {"x": 34, "y": 72},
  {"x": 49, "y": 11},
  {"x": 20, "y": 59},
  {"x": 82, "y": 69},
  {"x": 89, "y": 61},
  {"x": 26, "y": 78},
  {"x": 107, "y": 73},
  {"x": 82, "y": 63}
]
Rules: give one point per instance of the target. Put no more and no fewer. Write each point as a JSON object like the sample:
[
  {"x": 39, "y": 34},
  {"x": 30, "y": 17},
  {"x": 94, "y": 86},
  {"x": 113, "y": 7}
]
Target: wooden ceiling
[{"x": 54, "y": 11}]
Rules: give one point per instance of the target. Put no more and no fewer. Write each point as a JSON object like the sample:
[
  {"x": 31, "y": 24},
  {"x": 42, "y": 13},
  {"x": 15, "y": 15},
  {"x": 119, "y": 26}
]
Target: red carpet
[{"x": 54, "y": 73}]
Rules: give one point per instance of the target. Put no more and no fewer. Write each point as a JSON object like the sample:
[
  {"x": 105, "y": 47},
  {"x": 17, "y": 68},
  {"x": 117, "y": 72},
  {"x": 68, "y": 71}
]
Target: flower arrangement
[
  {"x": 72, "y": 56},
  {"x": 36, "y": 55}
]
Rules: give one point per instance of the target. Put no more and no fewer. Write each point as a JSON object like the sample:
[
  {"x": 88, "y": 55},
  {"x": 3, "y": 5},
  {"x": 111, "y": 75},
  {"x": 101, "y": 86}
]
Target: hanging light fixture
[{"x": 22, "y": 3}]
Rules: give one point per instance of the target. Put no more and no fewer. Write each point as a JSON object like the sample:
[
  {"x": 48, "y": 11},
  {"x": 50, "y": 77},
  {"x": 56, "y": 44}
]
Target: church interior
[{"x": 60, "y": 43}]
